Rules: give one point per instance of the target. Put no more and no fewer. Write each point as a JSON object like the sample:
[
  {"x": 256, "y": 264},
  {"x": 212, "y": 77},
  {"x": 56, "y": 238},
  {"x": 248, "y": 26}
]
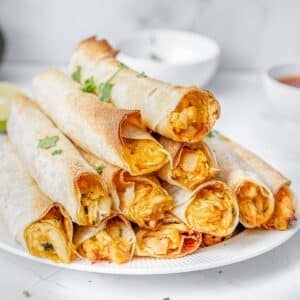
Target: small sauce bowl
[
  {"x": 282, "y": 93},
  {"x": 174, "y": 56}
]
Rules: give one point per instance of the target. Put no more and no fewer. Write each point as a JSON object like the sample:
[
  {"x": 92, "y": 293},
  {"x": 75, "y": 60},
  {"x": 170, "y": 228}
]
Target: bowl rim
[
  {"x": 275, "y": 80},
  {"x": 191, "y": 34}
]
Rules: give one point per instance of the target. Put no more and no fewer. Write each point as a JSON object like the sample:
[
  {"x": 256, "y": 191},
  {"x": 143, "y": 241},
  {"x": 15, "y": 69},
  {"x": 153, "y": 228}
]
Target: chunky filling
[
  {"x": 168, "y": 240},
  {"x": 210, "y": 240},
  {"x": 212, "y": 211},
  {"x": 111, "y": 244},
  {"x": 143, "y": 203},
  {"x": 94, "y": 204},
  {"x": 192, "y": 117},
  {"x": 193, "y": 168},
  {"x": 144, "y": 156},
  {"x": 254, "y": 204},
  {"x": 48, "y": 237},
  {"x": 284, "y": 212}
]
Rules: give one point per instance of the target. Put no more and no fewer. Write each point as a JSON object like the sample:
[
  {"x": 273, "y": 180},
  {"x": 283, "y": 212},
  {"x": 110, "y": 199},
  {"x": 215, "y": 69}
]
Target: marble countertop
[{"x": 246, "y": 117}]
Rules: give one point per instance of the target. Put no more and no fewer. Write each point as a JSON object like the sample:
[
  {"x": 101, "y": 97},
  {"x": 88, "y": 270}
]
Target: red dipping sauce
[{"x": 293, "y": 80}]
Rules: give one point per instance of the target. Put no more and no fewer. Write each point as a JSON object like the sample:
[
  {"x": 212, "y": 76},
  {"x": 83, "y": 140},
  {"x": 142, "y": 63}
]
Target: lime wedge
[{"x": 7, "y": 93}]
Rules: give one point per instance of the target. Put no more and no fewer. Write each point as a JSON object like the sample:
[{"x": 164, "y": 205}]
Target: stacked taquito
[
  {"x": 184, "y": 114},
  {"x": 36, "y": 222}
]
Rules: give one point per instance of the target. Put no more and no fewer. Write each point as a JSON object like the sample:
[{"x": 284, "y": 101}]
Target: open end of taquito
[
  {"x": 113, "y": 240},
  {"x": 141, "y": 199},
  {"x": 182, "y": 114},
  {"x": 213, "y": 209},
  {"x": 193, "y": 117},
  {"x": 51, "y": 236},
  {"x": 141, "y": 152},
  {"x": 170, "y": 240},
  {"x": 192, "y": 164},
  {"x": 255, "y": 203},
  {"x": 284, "y": 210},
  {"x": 94, "y": 202}
]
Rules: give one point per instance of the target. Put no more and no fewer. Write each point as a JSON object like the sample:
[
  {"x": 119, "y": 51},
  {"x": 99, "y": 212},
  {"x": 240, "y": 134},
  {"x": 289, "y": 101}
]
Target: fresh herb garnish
[
  {"x": 141, "y": 75},
  {"x": 155, "y": 57},
  {"x": 76, "y": 76},
  {"x": 89, "y": 85},
  {"x": 99, "y": 169},
  {"x": 3, "y": 126},
  {"x": 48, "y": 142},
  {"x": 211, "y": 134},
  {"x": 57, "y": 151},
  {"x": 47, "y": 246},
  {"x": 105, "y": 91},
  {"x": 223, "y": 137},
  {"x": 105, "y": 88}
]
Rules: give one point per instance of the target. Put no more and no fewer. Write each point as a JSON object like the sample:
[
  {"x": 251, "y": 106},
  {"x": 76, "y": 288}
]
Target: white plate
[{"x": 247, "y": 244}]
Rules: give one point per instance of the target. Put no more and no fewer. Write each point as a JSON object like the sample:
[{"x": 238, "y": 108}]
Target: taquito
[
  {"x": 171, "y": 239},
  {"x": 116, "y": 135},
  {"x": 112, "y": 240},
  {"x": 284, "y": 211},
  {"x": 191, "y": 165},
  {"x": 184, "y": 114},
  {"x": 56, "y": 165},
  {"x": 255, "y": 200},
  {"x": 34, "y": 221},
  {"x": 141, "y": 199},
  {"x": 211, "y": 208}
]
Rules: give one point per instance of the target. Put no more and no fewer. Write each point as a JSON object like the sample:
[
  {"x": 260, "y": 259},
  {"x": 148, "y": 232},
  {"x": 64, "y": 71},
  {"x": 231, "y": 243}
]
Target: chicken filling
[
  {"x": 144, "y": 156},
  {"x": 94, "y": 203},
  {"x": 212, "y": 211},
  {"x": 284, "y": 212},
  {"x": 193, "y": 168},
  {"x": 168, "y": 239},
  {"x": 254, "y": 204},
  {"x": 111, "y": 244},
  {"x": 48, "y": 237},
  {"x": 143, "y": 203}
]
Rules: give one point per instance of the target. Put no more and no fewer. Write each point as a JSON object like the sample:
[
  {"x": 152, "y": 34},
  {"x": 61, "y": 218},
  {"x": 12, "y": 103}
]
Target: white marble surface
[
  {"x": 252, "y": 34},
  {"x": 247, "y": 117}
]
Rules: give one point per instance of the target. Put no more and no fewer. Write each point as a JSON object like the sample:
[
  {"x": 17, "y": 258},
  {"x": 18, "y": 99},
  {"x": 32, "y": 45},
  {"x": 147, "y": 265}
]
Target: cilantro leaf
[
  {"x": 100, "y": 169},
  {"x": 47, "y": 246},
  {"x": 48, "y": 142},
  {"x": 211, "y": 134},
  {"x": 89, "y": 85},
  {"x": 76, "y": 76},
  {"x": 121, "y": 65},
  {"x": 141, "y": 75},
  {"x": 105, "y": 91},
  {"x": 57, "y": 151}
]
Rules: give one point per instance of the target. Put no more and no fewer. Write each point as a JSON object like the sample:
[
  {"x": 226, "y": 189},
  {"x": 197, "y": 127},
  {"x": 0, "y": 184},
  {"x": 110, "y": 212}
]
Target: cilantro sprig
[
  {"x": 48, "y": 142},
  {"x": 99, "y": 169},
  {"x": 89, "y": 85},
  {"x": 76, "y": 75},
  {"x": 57, "y": 152}
]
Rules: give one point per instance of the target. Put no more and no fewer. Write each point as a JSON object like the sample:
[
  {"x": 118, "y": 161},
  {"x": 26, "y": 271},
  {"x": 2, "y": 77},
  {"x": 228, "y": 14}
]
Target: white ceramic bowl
[
  {"x": 178, "y": 57},
  {"x": 285, "y": 98}
]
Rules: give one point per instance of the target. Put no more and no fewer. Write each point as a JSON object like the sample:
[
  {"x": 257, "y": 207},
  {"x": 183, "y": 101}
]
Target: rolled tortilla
[
  {"x": 285, "y": 206},
  {"x": 256, "y": 201},
  {"x": 171, "y": 239},
  {"x": 184, "y": 114},
  {"x": 191, "y": 165},
  {"x": 112, "y": 240},
  {"x": 36, "y": 222},
  {"x": 114, "y": 134},
  {"x": 211, "y": 208},
  {"x": 58, "y": 168},
  {"x": 141, "y": 199}
]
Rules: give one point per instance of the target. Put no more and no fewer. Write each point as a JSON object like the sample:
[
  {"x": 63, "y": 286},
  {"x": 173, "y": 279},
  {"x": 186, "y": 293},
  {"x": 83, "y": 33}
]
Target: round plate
[{"x": 245, "y": 245}]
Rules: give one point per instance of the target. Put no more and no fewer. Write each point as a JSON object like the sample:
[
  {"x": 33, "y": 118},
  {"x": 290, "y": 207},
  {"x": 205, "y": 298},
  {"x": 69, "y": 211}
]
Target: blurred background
[{"x": 252, "y": 34}]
